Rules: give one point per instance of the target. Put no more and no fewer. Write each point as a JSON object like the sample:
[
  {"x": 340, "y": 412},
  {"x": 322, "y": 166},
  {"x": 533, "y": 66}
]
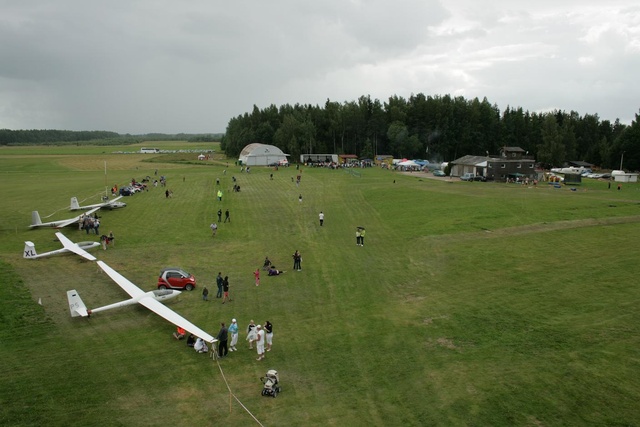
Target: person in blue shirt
[{"x": 233, "y": 330}]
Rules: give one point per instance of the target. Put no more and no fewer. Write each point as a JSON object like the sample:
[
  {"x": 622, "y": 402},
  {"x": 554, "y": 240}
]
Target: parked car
[
  {"x": 126, "y": 191},
  {"x": 480, "y": 178},
  {"x": 176, "y": 278},
  {"x": 468, "y": 177},
  {"x": 438, "y": 172},
  {"x": 139, "y": 187}
]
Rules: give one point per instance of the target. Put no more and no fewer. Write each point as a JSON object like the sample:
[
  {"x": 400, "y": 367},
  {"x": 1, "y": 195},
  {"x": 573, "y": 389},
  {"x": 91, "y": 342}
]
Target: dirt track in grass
[{"x": 535, "y": 228}]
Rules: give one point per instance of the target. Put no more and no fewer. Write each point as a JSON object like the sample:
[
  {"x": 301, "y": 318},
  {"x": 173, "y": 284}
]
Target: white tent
[
  {"x": 262, "y": 155},
  {"x": 409, "y": 163}
]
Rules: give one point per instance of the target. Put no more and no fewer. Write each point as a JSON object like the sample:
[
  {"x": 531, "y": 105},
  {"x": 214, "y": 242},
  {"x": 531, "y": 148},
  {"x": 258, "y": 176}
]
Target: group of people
[
  {"x": 89, "y": 223},
  {"x": 273, "y": 271},
  {"x": 107, "y": 240},
  {"x": 227, "y": 216},
  {"x": 270, "y": 268},
  {"x": 214, "y": 225},
  {"x": 198, "y": 344},
  {"x": 261, "y": 336},
  {"x": 223, "y": 288}
]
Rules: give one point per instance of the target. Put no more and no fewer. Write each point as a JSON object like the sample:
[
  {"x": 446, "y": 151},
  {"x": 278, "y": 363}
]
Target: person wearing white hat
[
  {"x": 259, "y": 342},
  {"x": 233, "y": 330}
]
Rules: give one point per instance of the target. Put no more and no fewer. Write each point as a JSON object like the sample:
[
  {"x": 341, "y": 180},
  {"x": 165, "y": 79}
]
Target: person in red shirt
[{"x": 179, "y": 333}]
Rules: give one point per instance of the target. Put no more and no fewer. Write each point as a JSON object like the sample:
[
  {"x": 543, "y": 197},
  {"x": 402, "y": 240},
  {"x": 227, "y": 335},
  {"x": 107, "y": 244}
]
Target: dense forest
[
  {"x": 436, "y": 128},
  {"x": 62, "y": 137}
]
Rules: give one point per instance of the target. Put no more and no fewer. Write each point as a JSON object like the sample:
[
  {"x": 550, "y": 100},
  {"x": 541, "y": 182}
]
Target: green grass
[{"x": 471, "y": 303}]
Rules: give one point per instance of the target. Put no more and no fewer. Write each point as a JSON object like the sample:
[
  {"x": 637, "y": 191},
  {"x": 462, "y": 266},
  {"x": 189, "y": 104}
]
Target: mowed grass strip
[{"x": 475, "y": 303}]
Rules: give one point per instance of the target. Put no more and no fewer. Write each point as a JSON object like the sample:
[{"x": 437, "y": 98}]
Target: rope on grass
[
  {"x": 233, "y": 395},
  {"x": 67, "y": 207}
]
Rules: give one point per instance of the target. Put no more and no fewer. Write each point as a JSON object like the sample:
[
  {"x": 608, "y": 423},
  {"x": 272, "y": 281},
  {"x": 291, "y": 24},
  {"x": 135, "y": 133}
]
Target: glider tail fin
[
  {"x": 35, "y": 218},
  {"x": 29, "y": 250},
  {"x": 74, "y": 204},
  {"x": 76, "y": 306}
]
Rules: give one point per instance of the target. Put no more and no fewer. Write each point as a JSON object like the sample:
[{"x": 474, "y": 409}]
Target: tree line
[
  {"x": 436, "y": 128},
  {"x": 51, "y": 136},
  {"x": 65, "y": 137}
]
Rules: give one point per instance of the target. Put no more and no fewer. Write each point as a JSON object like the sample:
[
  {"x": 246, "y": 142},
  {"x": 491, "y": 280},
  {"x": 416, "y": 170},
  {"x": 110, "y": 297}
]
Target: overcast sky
[{"x": 189, "y": 66}]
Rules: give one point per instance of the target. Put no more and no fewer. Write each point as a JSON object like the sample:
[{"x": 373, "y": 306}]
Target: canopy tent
[{"x": 409, "y": 163}]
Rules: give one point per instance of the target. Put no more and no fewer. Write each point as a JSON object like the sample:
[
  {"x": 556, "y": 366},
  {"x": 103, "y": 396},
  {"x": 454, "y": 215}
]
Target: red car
[{"x": 176, "y": 278}]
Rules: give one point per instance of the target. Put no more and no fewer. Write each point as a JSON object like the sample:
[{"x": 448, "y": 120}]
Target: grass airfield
[{"x": 470, "y": 303}]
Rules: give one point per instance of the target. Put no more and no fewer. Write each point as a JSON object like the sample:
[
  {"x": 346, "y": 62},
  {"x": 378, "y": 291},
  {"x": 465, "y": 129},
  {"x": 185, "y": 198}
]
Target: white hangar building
[{"x": 262, "y": 155}]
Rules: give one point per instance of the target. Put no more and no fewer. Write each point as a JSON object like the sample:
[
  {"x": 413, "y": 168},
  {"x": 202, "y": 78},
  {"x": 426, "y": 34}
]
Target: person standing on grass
[
  {"x": 251, "y": 333},
  {"x": 321, "y": 217},
  {"x": 297, "y": 259},
  {"x": 222, "y": 337},
  {"x": 214, "y": 229},
  {"x": 225, "y": 288},
  {"x": 226, "y": 216},
  {"x": 362, "y": 231},
  {"x": 259, "y": 340},
  {"x": 219, "y": 282},
  {"x": 205, "y": 294},
  {"x": 256, "y": 274},
  {"x": 268, "y": 329},
  {"x": 219, "y": 215},
  {"x": 233, "y": 330}
]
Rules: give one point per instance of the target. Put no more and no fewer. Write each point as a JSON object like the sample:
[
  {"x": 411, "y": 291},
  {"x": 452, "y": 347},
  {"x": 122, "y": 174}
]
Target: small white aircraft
[
  {"x": 107, "y": 204},
  {"x": 37, "y": 222},
  {"x": 79, "y": 248},
  {"x": 150, "y": 299}
]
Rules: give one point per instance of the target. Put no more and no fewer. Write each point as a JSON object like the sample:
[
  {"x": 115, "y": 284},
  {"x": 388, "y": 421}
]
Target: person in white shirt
[
  {"x": 259, "y": 340},
  {"x": 200, "y": 346}
]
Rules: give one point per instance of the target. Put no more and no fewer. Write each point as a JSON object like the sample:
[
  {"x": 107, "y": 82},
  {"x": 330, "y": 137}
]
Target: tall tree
[{"x": 551, "y": 151}]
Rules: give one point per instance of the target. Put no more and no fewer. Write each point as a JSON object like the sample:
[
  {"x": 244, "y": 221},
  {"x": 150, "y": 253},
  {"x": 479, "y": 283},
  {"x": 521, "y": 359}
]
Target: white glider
[
  {"x": 108, "y": 204},
  {"x": 79, "y": 248},
  {"x": 36, "y": 222},
  {"x": 150, "y": 299}
]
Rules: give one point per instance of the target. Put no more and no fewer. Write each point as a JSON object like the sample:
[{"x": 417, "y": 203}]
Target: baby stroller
[{"x": 270, "y": 381}]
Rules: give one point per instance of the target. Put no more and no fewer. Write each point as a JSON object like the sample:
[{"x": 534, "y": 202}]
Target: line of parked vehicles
[
  {"x": 473, "y": 177},
  {"x": 133, "y": 188}
]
